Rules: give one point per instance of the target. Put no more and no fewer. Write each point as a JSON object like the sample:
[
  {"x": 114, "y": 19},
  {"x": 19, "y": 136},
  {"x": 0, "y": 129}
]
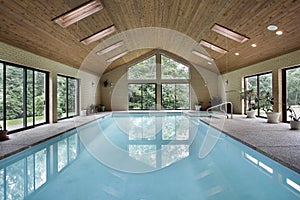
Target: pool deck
[{"x": 276, "y": 141}]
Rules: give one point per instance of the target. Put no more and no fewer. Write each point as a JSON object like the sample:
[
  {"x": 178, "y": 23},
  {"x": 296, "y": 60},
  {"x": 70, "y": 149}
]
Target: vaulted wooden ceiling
[{"x": 28, "y": 25}]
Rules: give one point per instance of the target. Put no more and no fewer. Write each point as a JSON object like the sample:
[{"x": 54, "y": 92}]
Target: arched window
[{"x": 161, "y": 75}]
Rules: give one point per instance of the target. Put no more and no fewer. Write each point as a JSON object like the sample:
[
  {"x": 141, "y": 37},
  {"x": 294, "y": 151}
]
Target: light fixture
[
  {"x": 279, "y": 32},
  {"x": 237, "y": 53},
  {"x": 202, "y": 55},
  {"x": 110, "y": 48},
  {"x": 78, "y": 13},
  {"x": 117, "y": 56},
  {"x": 253, "y": 45},
  {"x": 272, "y": 28},
  {"x": 229, "y": 33},
  {"x": 213, "y": 47},
  {"x": 209, "y": 63},
  {"x": 99, "y": 35}
]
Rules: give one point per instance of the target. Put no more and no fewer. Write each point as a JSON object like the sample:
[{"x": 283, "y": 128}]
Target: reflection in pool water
[{"x": 69, "y": 167}]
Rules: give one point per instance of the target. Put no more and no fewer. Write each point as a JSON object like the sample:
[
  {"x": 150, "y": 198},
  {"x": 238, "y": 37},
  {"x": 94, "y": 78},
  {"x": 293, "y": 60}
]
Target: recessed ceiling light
[
  {"x": 213, "y": 47},
  {"x": 99, "y": 35},
  {"x": 237, "y": 53},
  {"x": 117, "y": 56},
  {"x": 253, "y": 45},
  {"x": 78, "y": 13},
  {"x": 279, "y": 32},
  {"x": 110, "y": 48},
  {"x": 229, "y": 33},
  {"x": 272, "y": 28},
  {"x": 202, "y": 55}
]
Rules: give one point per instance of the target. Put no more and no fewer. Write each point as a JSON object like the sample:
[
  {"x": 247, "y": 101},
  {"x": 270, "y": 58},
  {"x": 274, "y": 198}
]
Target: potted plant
[
  {"x": 295, "y": 120},
  {"x": 3, "y": 134},
  {"x": 266, "y": 104},
  {"x": 197, "y": 106},
  {"x": 92, "y": 108},
  {"x": 252, "y": 102},
  {"x": 101, "y": 108}
]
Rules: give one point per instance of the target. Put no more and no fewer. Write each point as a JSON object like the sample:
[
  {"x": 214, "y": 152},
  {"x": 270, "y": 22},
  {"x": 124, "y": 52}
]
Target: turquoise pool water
[{"x": 143, "y": 157}]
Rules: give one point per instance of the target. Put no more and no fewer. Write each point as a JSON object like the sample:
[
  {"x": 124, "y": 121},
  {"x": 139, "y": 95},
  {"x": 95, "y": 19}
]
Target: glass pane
[
  {"x": 72, "y": 97},
  {"x": 62, "y": 154},
  {"x": 168, "y": 96},
  {"x": 29, "y": 97},
  {"x": 293, "y": 91},
  {"x": 171, "y": 69},
  {"x": 1, "y": 96},
  {"x": 251, "y": 83},
  {"x": 15, "y": 181},
  {"x": 40, "y": 168},
  {"x": 148, "y": 96},
  {"x": 182, "y": 96},
  {"x": 135, "y": 96},
  {"x": 143, "y": 70},
  {"x": 265, "y": 86},
  {"x": 39, "y": 97},
  {"x": 14, "y": 97},
  {"x": 61, "y": 97}
]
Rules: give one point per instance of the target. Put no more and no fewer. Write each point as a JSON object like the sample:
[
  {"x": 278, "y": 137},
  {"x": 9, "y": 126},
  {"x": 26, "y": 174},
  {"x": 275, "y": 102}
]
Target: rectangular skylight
[
  {"x": 78, "y": 13},
  {"x": 202, "y": 55},
  {"x": 229, "y": 33},
  {"x": 110, "y": 48},
  {"x": 117, "y": 56},
  {"x": 213, "y": 47},
  {"x": 99, "y": 35}
]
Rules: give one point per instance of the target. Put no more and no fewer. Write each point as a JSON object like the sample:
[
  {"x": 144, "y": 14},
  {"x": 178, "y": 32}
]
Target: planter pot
[
  {"x": 273, "y": 117},
  {"x": 102, "y": 108},
  {"x": 251, "y": 113},
  {"x": 197, "y": 107},
  {"x": 83, "y": 113},
  {"x": 3, "y": 135},
  {"x": 295, "y": 125}
]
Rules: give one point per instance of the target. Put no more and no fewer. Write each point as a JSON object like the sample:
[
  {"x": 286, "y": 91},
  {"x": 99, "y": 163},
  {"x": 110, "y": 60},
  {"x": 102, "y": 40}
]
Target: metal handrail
[{"x": 221, "y": 104}]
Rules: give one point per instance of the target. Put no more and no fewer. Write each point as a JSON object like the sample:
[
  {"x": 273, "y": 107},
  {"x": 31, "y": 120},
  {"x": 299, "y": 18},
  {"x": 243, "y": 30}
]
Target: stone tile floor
[{"x": 274, "y": 140}]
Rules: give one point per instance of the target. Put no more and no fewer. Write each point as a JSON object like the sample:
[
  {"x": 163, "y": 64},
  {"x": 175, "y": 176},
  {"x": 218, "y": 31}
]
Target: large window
[
  {"x": 262, "y": 84},
  {"x": 142, "y": 96},
  {"x": 158, "y": 74},
  {"x": 23, "y": 100},
  {"x": 291, "y": 91},
  {"x": 67, "y": 97}
]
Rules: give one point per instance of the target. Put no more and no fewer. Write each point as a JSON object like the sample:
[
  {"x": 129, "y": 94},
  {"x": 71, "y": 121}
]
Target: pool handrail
[{"x": 220, "y": 105}]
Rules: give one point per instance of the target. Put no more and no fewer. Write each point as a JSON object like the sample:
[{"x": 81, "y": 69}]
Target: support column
[{"x": 53, "y": 97}]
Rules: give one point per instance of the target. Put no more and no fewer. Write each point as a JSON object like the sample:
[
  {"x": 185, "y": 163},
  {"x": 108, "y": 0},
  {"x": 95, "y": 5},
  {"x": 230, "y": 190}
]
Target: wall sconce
[
  {"x": 226, "y": 82},
  {"x": 106, "y": 83}
]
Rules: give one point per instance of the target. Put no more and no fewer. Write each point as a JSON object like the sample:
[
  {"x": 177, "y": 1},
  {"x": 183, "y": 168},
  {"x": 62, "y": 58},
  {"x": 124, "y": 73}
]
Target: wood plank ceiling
[{"x": 28, "y": 25}]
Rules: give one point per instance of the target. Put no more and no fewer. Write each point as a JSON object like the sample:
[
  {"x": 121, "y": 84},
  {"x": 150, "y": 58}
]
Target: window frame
[
  {"x": 285, "y": 117},
  {"x": 257, "y": 91},
  {"x": 159, "y": 81},
  {"x": 67, "y": 97},
  {"x": 25, "y": 98}
]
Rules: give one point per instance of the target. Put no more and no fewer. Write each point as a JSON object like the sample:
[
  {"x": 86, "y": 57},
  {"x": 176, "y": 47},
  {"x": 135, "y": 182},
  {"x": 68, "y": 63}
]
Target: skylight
[
  {"x": 99, "y": 35},
  {"x": 229, "y": 33},
  {"x": 78, "y": 13},
  {"x": 213, "y": 47}
]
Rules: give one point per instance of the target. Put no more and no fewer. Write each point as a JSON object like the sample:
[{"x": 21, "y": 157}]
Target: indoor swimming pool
[{"x": 145, "y": 156}]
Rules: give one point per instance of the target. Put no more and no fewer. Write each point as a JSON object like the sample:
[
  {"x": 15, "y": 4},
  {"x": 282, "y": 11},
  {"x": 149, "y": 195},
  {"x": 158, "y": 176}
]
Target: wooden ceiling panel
[{"x": 28, "y": 25}]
